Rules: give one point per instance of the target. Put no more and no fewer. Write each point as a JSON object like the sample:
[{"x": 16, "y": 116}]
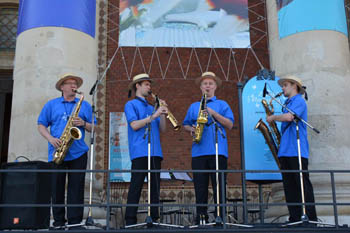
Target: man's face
[
  {"x": 289, "y": 88},
  {"x": 68, "y": 86},
  {"x": 208, "y": 86},
  {"x": 143, "y": 88}
]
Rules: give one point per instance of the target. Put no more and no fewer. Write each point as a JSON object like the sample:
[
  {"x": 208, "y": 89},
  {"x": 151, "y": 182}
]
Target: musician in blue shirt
[
  {"x": 203, "y": 153},
  {"x": 55, "y": 115},
  {"x": 139, "y": 113},
  {"x": 288, "y": 150}
]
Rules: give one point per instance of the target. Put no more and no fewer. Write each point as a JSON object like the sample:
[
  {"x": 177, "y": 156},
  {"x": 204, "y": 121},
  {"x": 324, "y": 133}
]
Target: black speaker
[{"x": 25, "y": 188}]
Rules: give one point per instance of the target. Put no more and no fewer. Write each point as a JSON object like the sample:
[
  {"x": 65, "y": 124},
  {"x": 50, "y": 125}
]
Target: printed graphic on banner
[
  {"x": 118, "y": 147},
  {"x": 258, "y": 156},
  {"x": 300, "y": 15},
  {"x": 184, "y": 23},
  {"x": 78, "y": 14}
]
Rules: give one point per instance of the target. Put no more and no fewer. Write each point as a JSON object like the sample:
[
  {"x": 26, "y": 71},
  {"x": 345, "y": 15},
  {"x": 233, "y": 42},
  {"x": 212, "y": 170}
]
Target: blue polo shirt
[
  {"x": 138, "y": 109},
  {"x": 289, "y": 147},
  {"x": 55, "y": 115},
  {"x": 207, "y": 144}
]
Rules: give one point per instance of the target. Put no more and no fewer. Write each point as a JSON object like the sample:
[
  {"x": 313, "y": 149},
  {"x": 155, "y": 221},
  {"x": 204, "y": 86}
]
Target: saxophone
[
  {"x": 69, "y": 134},
  {"x": 272, "y": 138},
  {"x": 201, "y": 120},
  {"x": 170, "y": 116}
]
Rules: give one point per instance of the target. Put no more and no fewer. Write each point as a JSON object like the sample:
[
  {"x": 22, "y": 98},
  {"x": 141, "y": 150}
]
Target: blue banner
[
  {"x": 257, "y": 153},
  {"x": 304, "y": 15},
  {"x": 118, "y": 147},
  {"x": 75, "y": 14}
]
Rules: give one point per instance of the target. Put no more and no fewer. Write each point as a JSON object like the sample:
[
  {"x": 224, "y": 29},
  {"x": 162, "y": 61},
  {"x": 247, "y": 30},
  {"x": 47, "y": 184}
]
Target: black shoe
[
  {"x": 58, "y": 226},
  {"x": 77, "y": 228},
  {"x": 130, "y": 222}
]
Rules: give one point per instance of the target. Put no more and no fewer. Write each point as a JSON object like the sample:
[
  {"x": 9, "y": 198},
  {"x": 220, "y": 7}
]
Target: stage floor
[{"x": 254, "y": 228}]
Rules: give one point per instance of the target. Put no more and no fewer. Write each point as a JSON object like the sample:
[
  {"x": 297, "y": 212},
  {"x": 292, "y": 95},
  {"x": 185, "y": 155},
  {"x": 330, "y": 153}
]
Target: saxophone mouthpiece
[
  {"x": 76, "y": 91},
  {"x": 279, "y": 94}
]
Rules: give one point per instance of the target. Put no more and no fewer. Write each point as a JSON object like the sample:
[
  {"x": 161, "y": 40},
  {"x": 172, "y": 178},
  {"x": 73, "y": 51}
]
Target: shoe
[
  {"x": 130, "y": 221},
  {"x": 77, "y": 228},
  {"x": 58, "y": 226}
]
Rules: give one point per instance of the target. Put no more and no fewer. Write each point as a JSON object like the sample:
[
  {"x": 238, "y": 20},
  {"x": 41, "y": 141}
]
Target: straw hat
[
  {"x": 293, "y": 79},
  {"x": 211, "y": 75},
  {"x": 68, "y": 76},
  {"x": 138, "y": 78}
]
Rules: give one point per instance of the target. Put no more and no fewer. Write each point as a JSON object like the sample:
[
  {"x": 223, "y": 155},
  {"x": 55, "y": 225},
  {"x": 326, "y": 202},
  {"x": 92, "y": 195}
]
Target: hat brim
[
  {"x": 139, "y": 80},
  {"x": 215, "y": 78},
  {"x": 281, "y": 81},
  {"x": 65, "y": 77}
]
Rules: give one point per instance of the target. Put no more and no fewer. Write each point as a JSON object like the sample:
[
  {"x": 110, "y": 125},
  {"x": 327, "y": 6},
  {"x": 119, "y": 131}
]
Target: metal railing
[{"x": 108, "y": 204}]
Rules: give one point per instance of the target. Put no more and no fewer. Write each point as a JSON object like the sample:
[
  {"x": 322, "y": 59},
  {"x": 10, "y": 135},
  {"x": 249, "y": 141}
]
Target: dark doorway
[{"x": 6, "y": 87}]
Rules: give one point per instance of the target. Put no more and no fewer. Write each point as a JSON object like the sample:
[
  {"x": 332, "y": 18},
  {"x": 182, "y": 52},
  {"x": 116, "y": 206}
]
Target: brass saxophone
[
  {"x": 202, "y": 119},
  {"x": 269, "y": 140},
  {"x": 272, "y": 138},
  {"x": 269, "y": 112},
  {"x": 69, "y": 134},
  {"x": 170, "y": 116}
]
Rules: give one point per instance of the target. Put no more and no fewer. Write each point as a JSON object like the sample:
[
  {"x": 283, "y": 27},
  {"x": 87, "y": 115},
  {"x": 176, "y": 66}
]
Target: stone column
[
  {"x": 321, "y": 59},
  {"x": 42, "y": 55}
]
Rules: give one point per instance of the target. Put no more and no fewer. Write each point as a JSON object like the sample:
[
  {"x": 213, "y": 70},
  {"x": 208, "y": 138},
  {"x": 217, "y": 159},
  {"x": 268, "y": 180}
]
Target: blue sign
[
  {"x": 75, "y": 14},
  {"x": 304, "y": 15},
  {"x": 257, "y": 153},
  {"x": 118, "y": 147}
]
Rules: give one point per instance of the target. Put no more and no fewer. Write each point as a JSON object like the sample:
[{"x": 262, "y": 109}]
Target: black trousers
[
  {"x": 292, "y": 188},
  {"x": 201, "y": 181},
  {"x": 75, "y": 190},
  {"x": 136, "y": 184}
]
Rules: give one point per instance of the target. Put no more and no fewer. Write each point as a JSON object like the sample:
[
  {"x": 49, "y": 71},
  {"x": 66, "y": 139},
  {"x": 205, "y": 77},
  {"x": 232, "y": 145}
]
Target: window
[{"x": 8, "y": 27}]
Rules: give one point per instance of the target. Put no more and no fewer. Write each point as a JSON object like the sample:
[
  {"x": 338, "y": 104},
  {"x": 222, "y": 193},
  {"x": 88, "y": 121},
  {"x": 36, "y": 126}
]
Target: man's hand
[
  {"x": 269, "y": 119},
  {"x": 77, "y": 121},
  {"x": 56, "y": 142},
  {"x": 163, "y": 109}
]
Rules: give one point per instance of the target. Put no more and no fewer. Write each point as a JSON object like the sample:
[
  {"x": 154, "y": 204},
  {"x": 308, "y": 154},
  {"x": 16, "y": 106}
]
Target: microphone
[
  {"x": 264, "y": 91},
  {"x": 93, "y": 88}
]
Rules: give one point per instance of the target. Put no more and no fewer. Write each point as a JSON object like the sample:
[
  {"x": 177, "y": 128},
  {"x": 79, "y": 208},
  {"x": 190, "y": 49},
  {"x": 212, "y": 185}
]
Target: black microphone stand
[{"x": 304, "y": 218}]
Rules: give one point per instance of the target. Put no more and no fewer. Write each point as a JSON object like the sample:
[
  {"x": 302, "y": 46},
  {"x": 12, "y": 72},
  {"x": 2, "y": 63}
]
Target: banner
[
  {"x": 257, "y": 153},
  {"x": 118, "y": 147},
  {"x": 75, "y": 14},
  {"x": 305, "y": 15},
  {"x": 184, "y": 23}
]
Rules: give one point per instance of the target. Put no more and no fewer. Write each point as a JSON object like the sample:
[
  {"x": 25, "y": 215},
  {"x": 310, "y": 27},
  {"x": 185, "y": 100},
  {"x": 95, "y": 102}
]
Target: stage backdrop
[
  {"x": 184, "y": 23},
  {"x": 118, "y": 147},
  {"x": 78, "y": 14},
  {"x": 257, "y": 153},
  {"x": 304, "y": 15}
]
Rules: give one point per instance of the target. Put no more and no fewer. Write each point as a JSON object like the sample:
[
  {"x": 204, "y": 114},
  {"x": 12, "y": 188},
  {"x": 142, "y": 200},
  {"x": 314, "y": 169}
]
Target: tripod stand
[
  {"x": 218, "y": 219},
  {"x": 149, "y": 221},
  {"x": 304, "y": 218}
]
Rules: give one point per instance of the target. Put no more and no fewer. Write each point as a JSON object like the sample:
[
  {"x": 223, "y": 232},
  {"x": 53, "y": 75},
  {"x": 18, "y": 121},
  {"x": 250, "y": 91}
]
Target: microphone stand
[
  {"x": 304, "y": 218},
  {"x": 149, "y": 221},
  {"x": 218, "y": 219},
  {"x": 89, "y": 220}
]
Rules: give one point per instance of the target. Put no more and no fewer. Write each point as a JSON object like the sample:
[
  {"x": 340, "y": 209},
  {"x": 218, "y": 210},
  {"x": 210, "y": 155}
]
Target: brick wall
[{"x": 177, "y": 87}]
